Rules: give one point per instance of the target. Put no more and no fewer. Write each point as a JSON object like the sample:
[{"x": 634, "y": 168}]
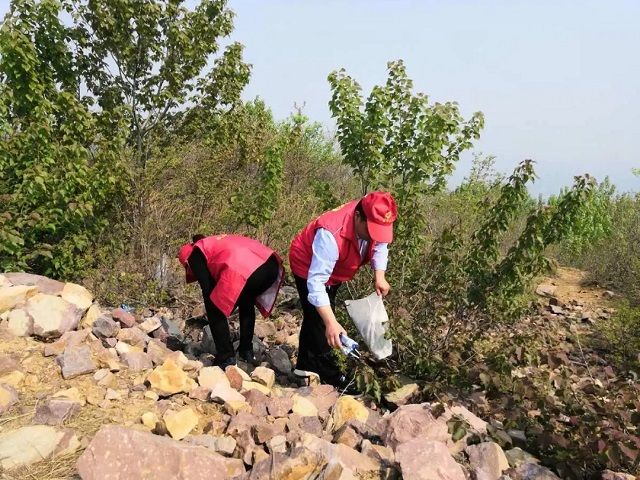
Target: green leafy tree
[{"x": 60, "y": 170}]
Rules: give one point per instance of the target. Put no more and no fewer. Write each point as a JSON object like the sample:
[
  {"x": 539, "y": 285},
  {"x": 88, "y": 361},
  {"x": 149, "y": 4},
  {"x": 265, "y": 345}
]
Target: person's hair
[
  {"x": 360, "y": 210},
  {"x": 196, "y": 237}
]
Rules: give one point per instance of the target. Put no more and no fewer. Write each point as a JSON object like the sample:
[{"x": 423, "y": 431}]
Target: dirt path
[{"x": 571, "y": 286}]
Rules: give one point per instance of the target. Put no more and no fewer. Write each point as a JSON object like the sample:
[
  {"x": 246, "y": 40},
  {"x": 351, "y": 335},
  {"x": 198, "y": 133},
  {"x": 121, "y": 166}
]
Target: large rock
[
  {"x": 487, "y": 460},
  {"x": 356, "y": 461},
  {"x": 301, "y": 463},
  {"x": 15, "y": 295},
  {"x": 347, "y": 409},
  {"x": 180, "y": 423},
  {"x": 40, "y": 283},
  {"x": 158, "y": 351},
  {"x": 105, "y": 327},
  {"x": 138, "y": 455},
  {"x": 169, "y": 379},
  {"x": 423, "y": 459},
  {"x": 52, "y": 316},
  {"x": 76, "y": 361},
  {"x": 8, "y": 397},
  {"x": 28, "y": 445},
  {"x": 91, "y": 315},
  {"x": 225, "y": 394},
  {"x": 303, "y": 407},
  {"x": 77, "y": 295},
  {"x": 212, "y": 377},
  {"x": 279, "y": 360},
  {"x": 411, "y": 421},
  {"x": 20, "y": 323},
  {"x": 56, "y": 411}
]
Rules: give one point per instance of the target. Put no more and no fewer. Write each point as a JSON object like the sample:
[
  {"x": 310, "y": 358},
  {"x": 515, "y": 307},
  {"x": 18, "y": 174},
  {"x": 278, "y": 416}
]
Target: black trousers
[
  {"x": 257, "y": 283},
  {"x": 314, "y": 352}
]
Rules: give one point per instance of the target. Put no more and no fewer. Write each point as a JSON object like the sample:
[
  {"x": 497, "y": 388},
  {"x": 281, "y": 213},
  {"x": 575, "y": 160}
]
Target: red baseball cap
[
  {"x": 381, "y": 211},
  {"x": 183, "y": 257}
]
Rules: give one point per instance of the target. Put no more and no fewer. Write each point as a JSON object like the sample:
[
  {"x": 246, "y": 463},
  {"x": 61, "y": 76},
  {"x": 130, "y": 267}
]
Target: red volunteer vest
[
  {"x": 340, "y": 223},
  {"x": 232, "y": 259}
]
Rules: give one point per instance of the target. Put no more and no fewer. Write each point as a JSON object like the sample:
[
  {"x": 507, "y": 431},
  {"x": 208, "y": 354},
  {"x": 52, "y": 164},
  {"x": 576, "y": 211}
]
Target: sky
[{"x": 558, "y": 81}]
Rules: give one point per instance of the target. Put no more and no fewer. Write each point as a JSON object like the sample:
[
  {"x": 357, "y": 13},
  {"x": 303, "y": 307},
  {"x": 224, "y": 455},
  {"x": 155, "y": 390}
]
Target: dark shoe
[
  {"x": 224, "y": 363},
  {"x": 248, "y": 357}
]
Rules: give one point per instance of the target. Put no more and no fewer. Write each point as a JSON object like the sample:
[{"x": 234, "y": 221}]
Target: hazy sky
[{"x": 558, "y": 81}]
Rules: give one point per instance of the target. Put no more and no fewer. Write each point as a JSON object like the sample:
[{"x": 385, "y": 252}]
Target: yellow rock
[
  {"x": 14, "y": 378},
  {"x": 12, "y": 296},
  {"x": 346, "y": 409},
  {"x": 180, "y": 423},
  {"x": 304, "y": 407},
  {"x": 210, "y": 377},
  {"x": 255, "y": 386},
  {"x": 77, "y": 295},
  {"x": 234, "y": 407},
  {"x": 72, "y": 394},
  {"x": 92, "y": 314},
  {"x": 151, "y": 395},
  {"x": 169, "y": 378},
  {"x": 4, "y": 282},
  {"x": 149, "y": 420},
  {"x": 264, "y": 375},
  {"x": 19, "y": 323}
]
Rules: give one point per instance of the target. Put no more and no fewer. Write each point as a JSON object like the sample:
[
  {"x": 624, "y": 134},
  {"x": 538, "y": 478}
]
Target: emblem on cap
[{"x": 387, "y": 217}]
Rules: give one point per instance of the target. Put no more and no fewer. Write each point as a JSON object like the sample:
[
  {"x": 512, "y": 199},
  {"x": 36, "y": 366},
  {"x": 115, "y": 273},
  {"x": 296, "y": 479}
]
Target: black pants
[
  {"x": 257, "y": 283},
  {"x": 314, "y": 352}
]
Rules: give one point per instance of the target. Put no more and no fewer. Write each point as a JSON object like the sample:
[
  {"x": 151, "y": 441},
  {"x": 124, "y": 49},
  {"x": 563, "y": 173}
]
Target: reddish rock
[
  {"x": 56, "y": 411},
  {"x": 487, "y": 460},
  {"x": 43, "y": 284},
  {"x": 346, "y": 435},
  {"x": 144, "y": 455},
  {"x": 133, "y": 336},
  {"x": 137, "y": 361},
  {"x": 125, "y": 318},
  {"x": 158, "y": 351},
  {"x": 241, "y": 422},
  {"x": 412, "y": 421},
  {"x": 300, "y": 463},
  {"x": 200, "y": 393},
  {"x": 258, "y": 402},
  {"x": 76, "y": 361},
  {"x": 279, "y": 406},
  {"x": 9, "y": 364},
  {"x": 423, "y": 459},
  {"x": 263, "y": 431}
]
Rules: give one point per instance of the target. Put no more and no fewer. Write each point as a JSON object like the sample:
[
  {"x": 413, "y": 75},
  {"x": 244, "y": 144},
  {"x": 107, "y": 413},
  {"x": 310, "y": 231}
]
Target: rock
[
  {"x": 264, "y": 431},
  {"x": 151, "y": 395},
  {"x": 92, "y": 314},
  {"x": 137, "y": 361},
  {"x": 19, "y": 323},
  {"x": 76, "y": 361},
  {"x": 68, "y": 339},
  {"x": 487, "y": 460},
  {"x": 180, "y": 423},
  {"x": 8, "y": 398},
  {"x": 52, "y": 316},
  {"x": 149, "y": 420},
  {"x": 609, "y": 475},
  {"x": 144, "y": 455},
  {"x": 16, "y": 295},
  {"x": 608, "y": 294},
  {"x": 379, "y": 453},
  {"x": 516, "y": 456},
  {"x": 277, "y": 444},
  {"x": 42, "y": 284},
  {"x": 104, "y": 327},
  {"x": 346, "y": 409},
  {"x": 178, "y": 358},
  {"x": 4, "y": 281},
  {"x": 279, "y": 406},
  {"x": 247, "y": 386},
  {"x": 150, "y": 325},
  {"x": 258, "y": 402},
  {"x": 303, "y": 407},
  {"x": 356, "y": 461},
  {"x": 200, "y": 393},
  {"x": 108, "y": 381},
  {"x": 477, "y": 424},
  {"x": 133, "y": 336},
  {"x": 264, "y": 329},
  {"x": 109, "y": 359},
  {"x": 211, "y": 377},
  {"x": 56, "y": 411},
  {"x": 412, "y": 421},
  {"x": 169, "y": 379},
  {"x": 234, "y": 407},
  {"x": 241, "y": 422},
  {"x": 157, "y": 351},
  {"x": 236, "y": 376},
  {"x": 30, "y": 444},
  {"x": 545, "y": 290},
  {"x": 225, "y": 394},
  {"x": 403, "y": 395},
  {"x": 264, "y": 376},
  {"x": 346, "y": 435},
  {"x": 126, "y": 319},
  {"x": 557, "y": 310},
  {"x": 71, "y": 394},
  {"x": 77, "y": 295},
  {"x": 225, "y": 445},
  {"x": 423, "y": 459},
  {"x": 531, "y": 471},
  {"x": 311, "y": 425},
  {"x": 279, "y": 360},
  {"x": 301, "y": 463}
]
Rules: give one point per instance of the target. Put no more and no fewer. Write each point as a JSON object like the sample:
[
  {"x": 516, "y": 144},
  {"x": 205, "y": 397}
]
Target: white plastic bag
[{"x": 370, "y": 316}]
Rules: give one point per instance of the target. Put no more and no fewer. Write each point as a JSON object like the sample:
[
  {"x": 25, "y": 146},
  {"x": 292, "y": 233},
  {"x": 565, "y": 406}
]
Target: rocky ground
[{"x": 94, "y": 393}]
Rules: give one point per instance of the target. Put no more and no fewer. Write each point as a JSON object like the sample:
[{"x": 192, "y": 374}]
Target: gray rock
[
  {"x": 516, "y": 457},
  {"x": 279, "y": 360},
  {"x": 137, "y": 361},
  {"x": 56, "y": 411},
  {"x": 105, "y": 327}
]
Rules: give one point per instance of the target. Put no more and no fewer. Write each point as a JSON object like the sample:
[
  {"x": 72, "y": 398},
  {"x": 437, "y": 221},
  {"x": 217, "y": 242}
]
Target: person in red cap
[
  {"x": 233, "y": 271},
  {"x": 326, "y": 253}
]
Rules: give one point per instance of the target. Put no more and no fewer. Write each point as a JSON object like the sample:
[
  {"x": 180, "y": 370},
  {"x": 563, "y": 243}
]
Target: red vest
[
  {"x": 232, "y": 259},
  {"x": 339, "y": 222}
]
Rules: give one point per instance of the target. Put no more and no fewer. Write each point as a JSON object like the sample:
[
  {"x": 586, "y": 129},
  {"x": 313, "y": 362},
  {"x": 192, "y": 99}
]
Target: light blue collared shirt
[{"x": 324, "y": 258}]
